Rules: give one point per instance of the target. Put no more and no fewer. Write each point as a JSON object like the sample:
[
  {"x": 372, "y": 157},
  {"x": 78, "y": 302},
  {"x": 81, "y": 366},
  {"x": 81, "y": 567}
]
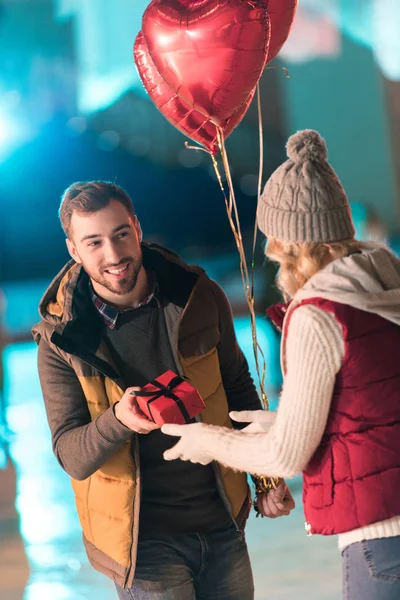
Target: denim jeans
[
  {"x": 209, "y": 566},
  {"x": 371, "y": 570}
]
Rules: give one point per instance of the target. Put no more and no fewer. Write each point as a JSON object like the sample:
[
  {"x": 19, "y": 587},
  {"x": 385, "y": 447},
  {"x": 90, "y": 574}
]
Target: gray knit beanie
[{"x": 304, "y": 201}]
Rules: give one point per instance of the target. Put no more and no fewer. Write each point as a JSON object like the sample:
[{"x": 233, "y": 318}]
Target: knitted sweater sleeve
[{"x": 314, "y": 354}]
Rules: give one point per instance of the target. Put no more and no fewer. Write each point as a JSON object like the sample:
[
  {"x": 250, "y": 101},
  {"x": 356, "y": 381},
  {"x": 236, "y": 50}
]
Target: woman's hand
[{"x": 195, "y": 439}]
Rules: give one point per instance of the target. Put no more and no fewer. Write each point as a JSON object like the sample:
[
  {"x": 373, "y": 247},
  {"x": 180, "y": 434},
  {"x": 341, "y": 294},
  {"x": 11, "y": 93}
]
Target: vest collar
[{"x": 277, "y": 312}]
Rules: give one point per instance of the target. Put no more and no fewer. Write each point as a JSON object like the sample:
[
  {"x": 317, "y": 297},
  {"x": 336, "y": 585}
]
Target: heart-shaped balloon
[
  {"x": 188, "y": 120},
  {"x": 281, "y": 14},
  {"x": 210, "y": 52}
]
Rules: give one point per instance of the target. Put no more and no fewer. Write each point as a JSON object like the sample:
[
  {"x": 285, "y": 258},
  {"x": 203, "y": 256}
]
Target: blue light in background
[
  {"x": 49, "y": 525},
  {"x": 104, "y": 35},
  {"x": 360, "y": 215},
  {"x": 269, "y": 344},
  {"x": 370, "y": 23},
  {"x": 14, "y": 131}
]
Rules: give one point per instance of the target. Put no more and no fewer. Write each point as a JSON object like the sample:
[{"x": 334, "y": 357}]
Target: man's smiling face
[{"x": 107, "y": 244}]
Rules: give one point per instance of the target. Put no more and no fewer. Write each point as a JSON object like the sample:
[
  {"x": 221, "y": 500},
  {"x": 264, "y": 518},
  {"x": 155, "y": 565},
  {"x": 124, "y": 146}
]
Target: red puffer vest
[{"x": 353, "y": 478}]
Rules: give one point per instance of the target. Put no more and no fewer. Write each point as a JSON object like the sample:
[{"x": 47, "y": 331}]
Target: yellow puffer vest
[{"x": 111, "y": 495}]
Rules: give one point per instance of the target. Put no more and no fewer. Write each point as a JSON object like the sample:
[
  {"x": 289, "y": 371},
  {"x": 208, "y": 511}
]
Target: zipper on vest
[
  {"x": 225, "y": 499},
  {"x": 135, "y": 517},
  {"x": 308, "y": 528},
  {"x": 217, "y": 472}
]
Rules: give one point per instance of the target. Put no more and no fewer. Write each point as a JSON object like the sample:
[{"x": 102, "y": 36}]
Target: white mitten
[
  {"x": 195, "y": 440},
  {"x": 260, "y": 420}
]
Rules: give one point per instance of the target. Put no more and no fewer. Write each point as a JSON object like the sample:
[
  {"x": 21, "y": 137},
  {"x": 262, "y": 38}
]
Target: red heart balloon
[
  {"x": 210, "y": 52},
  {"x": 281, "y": 14},
  {"x": 188, "y": 120}
]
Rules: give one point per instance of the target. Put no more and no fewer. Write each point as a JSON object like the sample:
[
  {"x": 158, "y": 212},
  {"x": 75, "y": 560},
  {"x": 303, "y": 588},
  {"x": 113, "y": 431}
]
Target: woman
[{"x": 338, "y": 420}]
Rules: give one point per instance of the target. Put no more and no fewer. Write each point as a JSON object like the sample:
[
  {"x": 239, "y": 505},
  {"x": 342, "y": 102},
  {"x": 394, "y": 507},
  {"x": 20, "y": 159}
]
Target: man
[{"x": 121, "y": 313}]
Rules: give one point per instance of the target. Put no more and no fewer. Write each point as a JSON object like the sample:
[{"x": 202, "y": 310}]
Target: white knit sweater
[{"x": 313, "y": 356}]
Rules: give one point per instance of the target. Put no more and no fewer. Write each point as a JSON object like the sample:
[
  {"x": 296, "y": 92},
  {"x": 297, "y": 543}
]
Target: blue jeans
[
  {"x": 209, "y": 566},
  {"x": 371, "y": 570}
]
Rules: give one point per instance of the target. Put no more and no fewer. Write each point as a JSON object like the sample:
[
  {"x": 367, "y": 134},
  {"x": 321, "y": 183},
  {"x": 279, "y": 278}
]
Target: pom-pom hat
[{"x": 304, "y": 201}]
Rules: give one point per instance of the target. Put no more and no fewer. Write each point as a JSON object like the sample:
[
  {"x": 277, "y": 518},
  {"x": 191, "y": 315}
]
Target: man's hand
[
  {"x": 277, "y": 502},
  {"x": 128, "y": 412}
]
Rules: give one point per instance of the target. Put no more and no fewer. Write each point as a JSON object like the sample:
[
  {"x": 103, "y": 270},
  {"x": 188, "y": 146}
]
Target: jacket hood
[
  {"x": 368, "y": 280},
  {"x": 54, "y": 307}
]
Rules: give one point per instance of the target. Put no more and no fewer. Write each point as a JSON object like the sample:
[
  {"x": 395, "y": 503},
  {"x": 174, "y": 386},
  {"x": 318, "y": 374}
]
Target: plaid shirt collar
[{"x": 110, "y": 314}]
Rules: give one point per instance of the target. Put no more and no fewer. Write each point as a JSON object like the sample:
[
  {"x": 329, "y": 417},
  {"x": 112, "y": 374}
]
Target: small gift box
[{"x": 169, "y": 399}]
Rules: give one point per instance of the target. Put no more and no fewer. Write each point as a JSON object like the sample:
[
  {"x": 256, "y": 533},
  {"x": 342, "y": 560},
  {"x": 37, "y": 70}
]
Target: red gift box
[{"x": 170, "y": 399}]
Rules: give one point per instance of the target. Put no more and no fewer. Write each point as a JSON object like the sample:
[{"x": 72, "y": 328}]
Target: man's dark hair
[{"x": 89, "y": 197}]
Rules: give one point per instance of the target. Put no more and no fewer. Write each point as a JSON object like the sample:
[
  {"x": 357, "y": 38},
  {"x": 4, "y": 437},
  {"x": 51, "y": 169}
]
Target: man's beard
[{"x": 122, "y": 286}]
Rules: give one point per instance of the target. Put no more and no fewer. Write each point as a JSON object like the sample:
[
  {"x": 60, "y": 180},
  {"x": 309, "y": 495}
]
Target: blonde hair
[{"x": 299, "y": 262}]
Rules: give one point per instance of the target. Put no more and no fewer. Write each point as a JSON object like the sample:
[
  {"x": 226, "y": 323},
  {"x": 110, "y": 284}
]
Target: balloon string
[
  {"x": 265, "y": 484},
  {"x": 221, "y": 185},
  {"x": 233, "y": 216},
  {"x": 187, "y": 145},
  {"x": 284, "y": 69},
  {"x": 260, "y": 175},
  {"x": 259, "y": 187}
]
